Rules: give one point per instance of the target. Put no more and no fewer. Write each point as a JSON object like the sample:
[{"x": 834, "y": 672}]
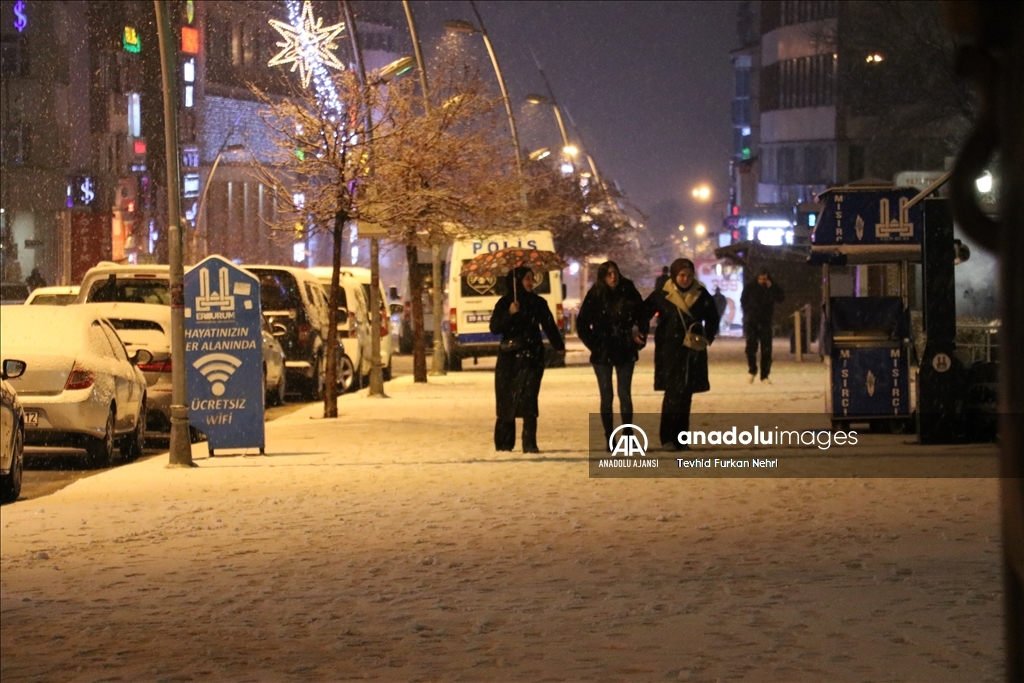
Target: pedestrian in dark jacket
[
  {"x": 612, "y": 325},
  {"x": 758, "y": 302},
  {"x": 518, "y": 317},
  {"x": 682, "y": 304},
  {"x": 662, "y": 279}
]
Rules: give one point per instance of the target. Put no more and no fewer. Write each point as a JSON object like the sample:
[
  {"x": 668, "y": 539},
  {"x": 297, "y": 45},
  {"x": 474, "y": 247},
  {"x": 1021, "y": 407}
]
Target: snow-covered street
[{"x": 395, "y": 544}]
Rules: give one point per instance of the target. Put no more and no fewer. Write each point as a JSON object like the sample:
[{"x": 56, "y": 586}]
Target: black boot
[
  {"x": 504, "y": 435},
  {"x": 530, "y": 435}
]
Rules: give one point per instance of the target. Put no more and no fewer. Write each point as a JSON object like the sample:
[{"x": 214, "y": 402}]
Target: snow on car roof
[{"x": 38, "y": 328}]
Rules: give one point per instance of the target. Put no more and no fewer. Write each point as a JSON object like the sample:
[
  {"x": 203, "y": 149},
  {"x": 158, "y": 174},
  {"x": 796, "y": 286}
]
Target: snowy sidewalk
[{"x": 395, "y": 544}]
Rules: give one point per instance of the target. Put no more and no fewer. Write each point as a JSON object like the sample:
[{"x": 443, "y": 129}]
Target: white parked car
[
  {"x": 145, "y": 326},
  {"x": 12, "y": 432},
  {"x": 275, "y": 379},
  {"x": 59, "y": 295},
  {"x": 80, "y": 390}
]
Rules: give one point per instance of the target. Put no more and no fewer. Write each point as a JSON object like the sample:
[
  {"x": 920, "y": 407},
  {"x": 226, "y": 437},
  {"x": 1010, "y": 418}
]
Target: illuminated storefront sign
[
  {"x": 131, "y": 40},
  {"x": 81, "y": 191},
  {"x": 191, "y": 185},
  {"x": 20, "y": 17},
  {"x": 189, "y": 40}
]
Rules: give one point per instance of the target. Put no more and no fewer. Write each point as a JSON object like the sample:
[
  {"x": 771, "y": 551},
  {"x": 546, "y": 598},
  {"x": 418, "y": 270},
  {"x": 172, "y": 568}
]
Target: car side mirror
[
  {"x": 13, "y": 368},
  {"x": 141, "y": 357}
]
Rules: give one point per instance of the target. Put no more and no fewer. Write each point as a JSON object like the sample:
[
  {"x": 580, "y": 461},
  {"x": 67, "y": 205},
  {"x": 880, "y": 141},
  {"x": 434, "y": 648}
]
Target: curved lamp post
[
  {"x": 200, "y": 216},
  {"x": 460, "y": 26},
  {"x": 570, "y": 149}
]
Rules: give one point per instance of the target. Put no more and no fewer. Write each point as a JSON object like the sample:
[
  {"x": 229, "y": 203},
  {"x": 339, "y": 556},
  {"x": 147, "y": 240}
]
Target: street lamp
[
  {"x": 200, "y": 216},
  {"x": 395, "y": 69},
  {"x": 538, "y": 154},
  {"x": 461, "y": 26},
  {"x": 702, "y": 193}
]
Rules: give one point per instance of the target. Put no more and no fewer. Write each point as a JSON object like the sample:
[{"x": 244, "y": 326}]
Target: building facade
[{"x": 82, "y": 143}]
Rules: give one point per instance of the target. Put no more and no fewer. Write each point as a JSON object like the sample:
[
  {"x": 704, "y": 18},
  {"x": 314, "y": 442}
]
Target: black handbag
[{"x": 512, "y": 345}]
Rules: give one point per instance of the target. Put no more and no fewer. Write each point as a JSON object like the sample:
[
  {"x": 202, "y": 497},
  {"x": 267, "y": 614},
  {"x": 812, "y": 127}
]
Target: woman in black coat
[
  {"x": 518, "y": 317},
  {"x": 612, "y": 324},
  {"x": 680, "y": 371}
]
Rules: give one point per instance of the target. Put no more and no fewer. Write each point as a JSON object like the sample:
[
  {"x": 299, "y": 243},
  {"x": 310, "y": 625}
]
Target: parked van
[
  {"x": 471, "y": 300},
  {"x": 362, "y": 276},
  {"x": 353, "y": 326}
]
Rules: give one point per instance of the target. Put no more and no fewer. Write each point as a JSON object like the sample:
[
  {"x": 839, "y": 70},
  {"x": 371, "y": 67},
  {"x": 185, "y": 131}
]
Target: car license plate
[
  {"x": 31, "y": 418},
  {"x": 478, "y": 317}
]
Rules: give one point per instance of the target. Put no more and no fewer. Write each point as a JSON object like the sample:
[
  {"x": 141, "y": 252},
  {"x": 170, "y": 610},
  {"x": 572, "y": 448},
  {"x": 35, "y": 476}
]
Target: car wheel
[
  {"x": 100, "y": 450},
  {"x": 10, "y": 487},
  {"x": 136, "y": 443},
  {"x": 346, "y": 375}
]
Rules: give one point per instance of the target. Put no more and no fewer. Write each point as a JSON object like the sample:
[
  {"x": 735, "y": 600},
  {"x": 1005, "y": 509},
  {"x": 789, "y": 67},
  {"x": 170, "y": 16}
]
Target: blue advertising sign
[
  {"x": 870, "y": 382},
  {"x": 223, "y": 354},
  {"x": 871, "y": 217}
]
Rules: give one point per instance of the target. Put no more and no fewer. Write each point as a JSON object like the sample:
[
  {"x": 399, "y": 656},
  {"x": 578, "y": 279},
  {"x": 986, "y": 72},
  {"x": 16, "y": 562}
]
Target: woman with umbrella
[
  {"x": 687, "y": 324},
  {"x": 518, "y": 317}
]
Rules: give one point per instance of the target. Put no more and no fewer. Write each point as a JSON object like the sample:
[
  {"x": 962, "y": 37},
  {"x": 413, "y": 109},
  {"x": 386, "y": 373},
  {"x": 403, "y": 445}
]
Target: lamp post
[
  {"x": 204, "y": 241},
  {"x": 460, "y": 26},
  {"x": 437, "y": 366},
  {"x": 180, "y": 452}
]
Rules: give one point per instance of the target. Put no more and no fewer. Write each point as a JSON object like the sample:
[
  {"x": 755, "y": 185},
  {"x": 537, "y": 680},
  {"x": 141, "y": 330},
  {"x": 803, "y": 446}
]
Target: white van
[
  {"x": 362, "y": 276},
  {"x": 471, "y": 300},
  {"x": 354, "y": 320}
]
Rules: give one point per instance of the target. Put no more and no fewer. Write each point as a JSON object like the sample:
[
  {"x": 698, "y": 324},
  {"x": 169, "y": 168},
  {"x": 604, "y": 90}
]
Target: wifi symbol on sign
[{"x": 217, "y": 368}]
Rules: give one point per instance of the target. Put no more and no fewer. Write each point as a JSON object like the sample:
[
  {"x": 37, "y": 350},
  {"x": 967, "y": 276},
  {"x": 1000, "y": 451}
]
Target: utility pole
[{"x": 180, "y": 447}]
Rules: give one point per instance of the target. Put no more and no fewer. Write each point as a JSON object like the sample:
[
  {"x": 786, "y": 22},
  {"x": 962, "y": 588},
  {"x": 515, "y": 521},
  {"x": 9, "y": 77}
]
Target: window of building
[
  {"x": 798, "y": 83},
  {"x": 14, "y": 145},
  {"x": 778, "y": 13},
  {"x": 856, "y": 165},
  {"x": 815, "y": 165},
  {"x": 787, "y": 171}
]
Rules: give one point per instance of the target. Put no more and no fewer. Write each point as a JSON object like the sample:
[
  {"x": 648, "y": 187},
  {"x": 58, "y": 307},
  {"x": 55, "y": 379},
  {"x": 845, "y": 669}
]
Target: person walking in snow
[
  {"x": 612, "y": 325},
  {"x": 680, "y": 364},
  {"x": 518, "y": 317},
  {"x": 758, "y": 302}
]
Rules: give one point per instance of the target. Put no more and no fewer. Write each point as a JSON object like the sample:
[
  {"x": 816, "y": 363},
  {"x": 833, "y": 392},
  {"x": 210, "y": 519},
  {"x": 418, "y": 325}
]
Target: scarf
[{"x": 683, "y": 300}]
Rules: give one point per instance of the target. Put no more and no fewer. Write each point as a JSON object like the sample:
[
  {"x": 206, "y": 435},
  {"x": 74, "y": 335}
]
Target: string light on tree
[{"x": 309, "y": 46}]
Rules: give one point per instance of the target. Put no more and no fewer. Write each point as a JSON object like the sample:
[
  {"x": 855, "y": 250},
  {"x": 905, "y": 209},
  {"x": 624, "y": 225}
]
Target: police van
[{"x": 471, "y": 299}]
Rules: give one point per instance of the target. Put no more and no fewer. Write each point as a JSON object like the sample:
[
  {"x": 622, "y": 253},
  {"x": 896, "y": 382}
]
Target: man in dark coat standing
[
  {"x": 682, "y": 304},
  {"x": 518, "y": 317},
  {"x": 612, "y": 325},
  {"x": 758, "y": 302}
]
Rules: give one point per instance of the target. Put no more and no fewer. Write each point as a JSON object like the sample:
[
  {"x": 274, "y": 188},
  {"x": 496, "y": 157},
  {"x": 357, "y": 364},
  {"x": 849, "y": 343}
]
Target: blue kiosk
[{"x": 866, "y": 326}]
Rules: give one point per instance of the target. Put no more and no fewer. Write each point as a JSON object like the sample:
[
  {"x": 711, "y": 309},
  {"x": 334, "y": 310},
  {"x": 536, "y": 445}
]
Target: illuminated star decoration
[{"x": 308, "y": 45}]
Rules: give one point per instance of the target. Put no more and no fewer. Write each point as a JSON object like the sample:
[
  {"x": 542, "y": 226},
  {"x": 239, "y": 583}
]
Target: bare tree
[
  {"x": 443, "y": 169},
  {"x": 318, "y": 156}
]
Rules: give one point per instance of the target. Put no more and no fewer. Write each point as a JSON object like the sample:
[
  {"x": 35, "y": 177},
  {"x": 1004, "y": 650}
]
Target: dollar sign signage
[
  {"x": 87, "y": 192},
  {"x": 20, "y": 18}
]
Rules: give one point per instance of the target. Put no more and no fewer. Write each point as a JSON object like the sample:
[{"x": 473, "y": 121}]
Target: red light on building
[
  {"x": 139, "y": 147},
  {"x": 189, "y": 40},
  {"x": 735, "y": 211}
]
